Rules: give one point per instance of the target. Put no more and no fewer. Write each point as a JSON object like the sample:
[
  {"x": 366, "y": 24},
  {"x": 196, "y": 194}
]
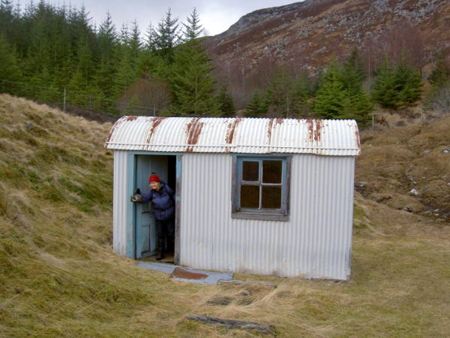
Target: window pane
[
  {"x": 250, "y": 171},
  {"x": 249, "y": 196},
  {"x": 271, "y": 197},
  {"x": 272, "y": 171}
]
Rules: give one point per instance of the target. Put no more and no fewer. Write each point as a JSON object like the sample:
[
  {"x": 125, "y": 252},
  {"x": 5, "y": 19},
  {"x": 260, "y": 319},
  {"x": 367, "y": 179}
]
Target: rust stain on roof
[
  {"x": 314, "y": 129},
  {"x": 310, "y": 124},
  {"x": 269, "y": 128},
  {"x": 194, "y": 129},
  {"x": 231, "y": 129},
  {"x": 131, "y": 118},
  {"x": 156, "y": 122},
  {"x": 113, "y": 129},
  {"x": 318, "y": 131},
  {"x": 272, "y": 124},
  {"x": 358, "y": 141}
]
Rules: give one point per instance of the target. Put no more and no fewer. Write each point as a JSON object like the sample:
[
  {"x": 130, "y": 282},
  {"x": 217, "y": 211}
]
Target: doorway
[{"x": 165, "y": 166}]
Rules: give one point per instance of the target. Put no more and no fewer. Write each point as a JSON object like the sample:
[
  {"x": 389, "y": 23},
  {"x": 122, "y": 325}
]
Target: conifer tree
[
  {"x": 107, "y": 38},
  {"x": 408, "y": 84},
  {"x": 384, "y": 88},
  {"x": 353, "y": 73},
  {"x": 6, "y": 17},
  {"x": 43, "y": 88},
  {"x": 191, "y": 82},
  {"x": 399, "y": 87},
  {"x": 125, "y": 74},
  {"x": 280, "y": 94},
  {"x": 63, "y": 73},
  {"x": 105, "y": 78},
  {"x": 39, "y": 49},
  {"x": 331, "y": 100},
  {"x": 302, "y": 92},
  {"x": 150, "y": 65},
  {"x": 124, "y": 36},
  {"x": 135, "y": 44},
  {"x": 85, "y": 61},
  {"x": 359, "y": 103},
  {"x": 150, "y": 38},
  {"x": 193, "y": 29},
  {"x": 256, "y": 107},
  {"x": 226, "y": 105},
  {"x": 9, "y": 69},
  {"x": 106, "y": 68},
  {"x": 76, "y": 94},
  {"x": 166, "y": 37},
  {"x": 359, "y": 107}
]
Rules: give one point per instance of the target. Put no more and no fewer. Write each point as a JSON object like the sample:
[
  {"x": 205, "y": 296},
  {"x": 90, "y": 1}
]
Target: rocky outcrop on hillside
[
  {"x": 251, "y": 20},
  {"x": 306, "y": 35}
]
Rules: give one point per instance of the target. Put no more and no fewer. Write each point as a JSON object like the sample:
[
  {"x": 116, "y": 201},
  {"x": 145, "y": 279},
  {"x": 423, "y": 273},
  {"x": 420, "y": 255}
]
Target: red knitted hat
[{"x": 153, "y": 178}]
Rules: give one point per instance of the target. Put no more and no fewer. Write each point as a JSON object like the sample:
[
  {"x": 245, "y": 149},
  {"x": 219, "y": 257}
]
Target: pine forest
[{"x": 55, "y": 55}]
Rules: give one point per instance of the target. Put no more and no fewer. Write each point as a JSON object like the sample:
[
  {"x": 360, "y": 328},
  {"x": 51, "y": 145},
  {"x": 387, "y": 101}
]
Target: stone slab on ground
[{"x": 186, "y": 274}]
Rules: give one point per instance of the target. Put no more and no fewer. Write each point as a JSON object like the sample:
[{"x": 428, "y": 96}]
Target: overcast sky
[{"x": 215, "y": 15}]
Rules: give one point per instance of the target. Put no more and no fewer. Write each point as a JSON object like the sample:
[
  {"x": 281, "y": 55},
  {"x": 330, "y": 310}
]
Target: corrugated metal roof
[{"x": 235, "y": 135}]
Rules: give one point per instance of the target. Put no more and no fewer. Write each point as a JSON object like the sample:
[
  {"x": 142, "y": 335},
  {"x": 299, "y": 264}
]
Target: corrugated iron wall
[
  {"x": 314, "y": 243},
  {"x": 120, "y": 202}
]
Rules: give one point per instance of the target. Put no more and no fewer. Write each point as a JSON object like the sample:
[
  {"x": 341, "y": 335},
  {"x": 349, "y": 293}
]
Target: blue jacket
[{"x": 162, "y": 201}]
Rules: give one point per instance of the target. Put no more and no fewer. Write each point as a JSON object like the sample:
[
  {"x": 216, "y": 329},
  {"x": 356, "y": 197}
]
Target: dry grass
[
  {"x": 399, "y": 159},
  {"x": 60, "y": 278}
]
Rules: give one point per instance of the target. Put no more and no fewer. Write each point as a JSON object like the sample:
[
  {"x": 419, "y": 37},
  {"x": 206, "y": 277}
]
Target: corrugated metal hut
[{"x": 262, "y": 196}]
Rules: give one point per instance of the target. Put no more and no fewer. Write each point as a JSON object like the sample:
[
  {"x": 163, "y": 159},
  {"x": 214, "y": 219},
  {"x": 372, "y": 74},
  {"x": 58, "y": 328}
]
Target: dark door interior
[{"x": 145, "y": 232}]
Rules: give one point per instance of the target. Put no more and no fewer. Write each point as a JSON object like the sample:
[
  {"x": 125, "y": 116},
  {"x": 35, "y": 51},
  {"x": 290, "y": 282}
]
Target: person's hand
[{"x": 136, "y": 198}]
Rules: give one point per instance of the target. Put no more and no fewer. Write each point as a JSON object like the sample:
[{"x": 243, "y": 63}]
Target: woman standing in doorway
[{"x": 161, "y": 196}]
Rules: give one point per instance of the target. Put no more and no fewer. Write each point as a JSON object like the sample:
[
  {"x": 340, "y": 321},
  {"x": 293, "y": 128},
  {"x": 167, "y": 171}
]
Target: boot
[
  {"x": 160, "y": 256},
  {"x": 161, "y": 242}
]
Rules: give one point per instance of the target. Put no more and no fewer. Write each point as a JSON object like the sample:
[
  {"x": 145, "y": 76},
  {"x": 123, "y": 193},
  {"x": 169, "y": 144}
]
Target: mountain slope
[{"x": 307, "y": 35}]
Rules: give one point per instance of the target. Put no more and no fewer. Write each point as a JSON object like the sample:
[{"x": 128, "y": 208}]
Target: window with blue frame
[{"x": 261, "y": 187}]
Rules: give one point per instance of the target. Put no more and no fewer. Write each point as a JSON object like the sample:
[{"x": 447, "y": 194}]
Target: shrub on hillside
[
  {"x": 439, "y": 99},
  {"x": 398, "y": 86},
  {"x": 341, "y": 96}
]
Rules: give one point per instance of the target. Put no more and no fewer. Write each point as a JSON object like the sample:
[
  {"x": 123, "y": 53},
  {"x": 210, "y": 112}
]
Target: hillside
[
  {"x": 308, "y": 34},
  {"x": 408, "y": 168},
  {"x": 305, "y": 36},
  {"x": 60, "y": 278}
]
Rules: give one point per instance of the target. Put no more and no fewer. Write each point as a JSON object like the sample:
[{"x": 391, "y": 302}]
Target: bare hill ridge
[
  {"x": 60, "y": 278},
  {"x": 307, "y": 35}
]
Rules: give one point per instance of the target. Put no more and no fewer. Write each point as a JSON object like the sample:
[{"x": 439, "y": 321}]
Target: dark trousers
[{"x": 165, "y": 229}]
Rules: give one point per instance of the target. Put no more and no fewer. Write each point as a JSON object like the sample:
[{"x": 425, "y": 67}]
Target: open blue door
[{"x": 145, "y": 222}]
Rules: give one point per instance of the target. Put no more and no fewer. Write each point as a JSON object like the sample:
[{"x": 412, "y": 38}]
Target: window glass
[
  {"x": 250, "y": 196},
  {"x": 261, "y": 187},
  {"x": 272, "y": 171},
  {"x": 271, "y": 197},
  {"x": 250, "y": 171}
]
